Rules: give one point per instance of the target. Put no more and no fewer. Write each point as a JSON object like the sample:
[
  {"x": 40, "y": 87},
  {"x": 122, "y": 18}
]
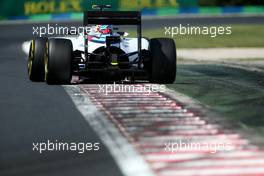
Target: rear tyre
[
  {"x": 163, "y": 61},
  {"x": 58, "y": 63},
  {"x": 36, "y": 59}
]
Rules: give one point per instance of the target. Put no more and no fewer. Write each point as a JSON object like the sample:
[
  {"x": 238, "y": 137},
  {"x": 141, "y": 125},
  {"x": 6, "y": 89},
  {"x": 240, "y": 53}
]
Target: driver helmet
[{"x": 104, "y": 29}]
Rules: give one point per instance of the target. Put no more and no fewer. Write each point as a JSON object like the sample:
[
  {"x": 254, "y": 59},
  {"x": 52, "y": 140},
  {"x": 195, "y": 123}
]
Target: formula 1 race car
[{"x": 103, "y": 54}]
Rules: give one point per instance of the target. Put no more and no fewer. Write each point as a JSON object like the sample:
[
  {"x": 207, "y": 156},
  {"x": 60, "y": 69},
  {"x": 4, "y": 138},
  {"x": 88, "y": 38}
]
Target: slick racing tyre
[
  {"x": 163, "y": 61},
  {"x": 36, "y": 59},
  {"x": 58, "y": 63}
]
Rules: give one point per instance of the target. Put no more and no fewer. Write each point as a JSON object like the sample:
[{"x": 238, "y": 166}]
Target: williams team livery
[{"x": 105, "y": 54}]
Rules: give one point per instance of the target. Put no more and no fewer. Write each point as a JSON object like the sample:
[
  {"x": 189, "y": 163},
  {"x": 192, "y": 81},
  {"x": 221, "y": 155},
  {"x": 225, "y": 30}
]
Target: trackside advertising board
[
  {"x": 14, "y": 8},
  {"x": 50, "y": 9}
]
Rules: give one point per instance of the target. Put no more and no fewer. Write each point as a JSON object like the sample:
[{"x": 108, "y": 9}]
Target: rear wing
[
  {"x": 115, "y": 18},
  {"x": 112, "y": 17}
]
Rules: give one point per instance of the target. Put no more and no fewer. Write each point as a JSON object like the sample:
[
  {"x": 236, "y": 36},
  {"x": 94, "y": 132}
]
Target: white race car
[{"x": 104, "y": 54}]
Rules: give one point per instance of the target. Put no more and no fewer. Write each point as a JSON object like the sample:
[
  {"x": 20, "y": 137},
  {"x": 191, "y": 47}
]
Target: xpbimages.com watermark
[
  {"x": 56, "y": 145},
  {"x": 126, "y": 88},
  {"x": 211, "y": 31},
  {"x": 191, "y": 145},
  {"x": 59, "y": 30}
]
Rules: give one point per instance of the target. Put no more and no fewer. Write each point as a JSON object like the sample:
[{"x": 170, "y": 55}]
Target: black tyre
[
  {"x": 36, "y": 59},
  {"x": 163, "y": 61},
  {"x": 58, "y": 63}
]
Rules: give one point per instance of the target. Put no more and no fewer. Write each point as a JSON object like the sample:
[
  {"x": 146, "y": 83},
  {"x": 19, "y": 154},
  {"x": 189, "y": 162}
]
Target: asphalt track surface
[{"x": 34, "y": 112}]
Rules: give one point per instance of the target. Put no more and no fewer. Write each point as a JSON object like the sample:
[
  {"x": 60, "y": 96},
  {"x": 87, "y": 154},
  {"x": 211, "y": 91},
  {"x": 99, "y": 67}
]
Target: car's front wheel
[{"x": 36, "y": 59}]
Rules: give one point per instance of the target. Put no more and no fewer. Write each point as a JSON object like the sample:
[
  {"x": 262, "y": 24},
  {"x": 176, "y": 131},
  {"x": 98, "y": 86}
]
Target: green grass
[
  {"x": 236, "y": 94},
  {"x": 242, "y": 36}
]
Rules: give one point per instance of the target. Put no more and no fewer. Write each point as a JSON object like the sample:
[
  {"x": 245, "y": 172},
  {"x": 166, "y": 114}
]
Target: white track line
[{"x": 129, "y": 161}]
